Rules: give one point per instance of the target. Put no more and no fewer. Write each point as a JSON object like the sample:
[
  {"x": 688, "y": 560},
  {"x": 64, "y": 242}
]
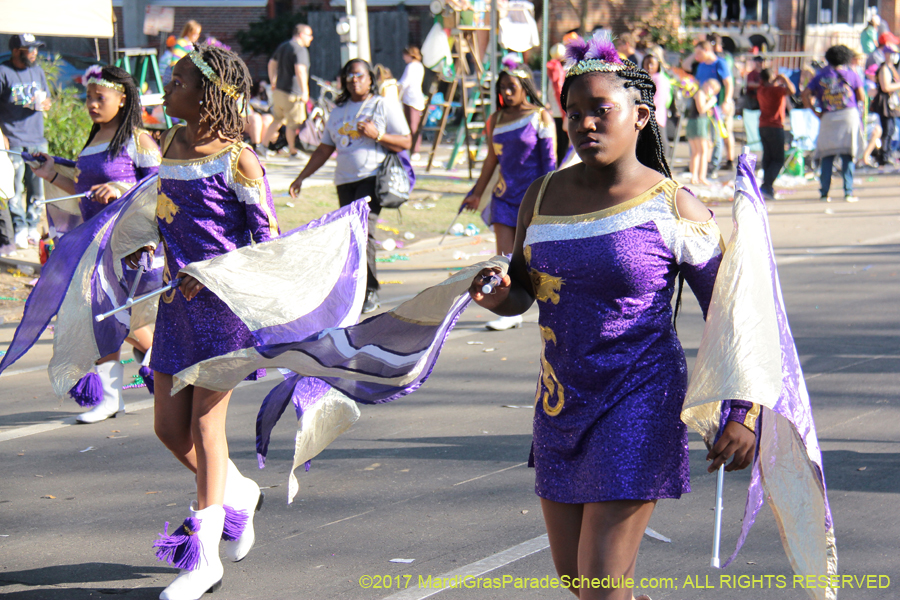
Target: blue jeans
[
  {"x": 25, "y": 205},
  {"x": 846, "y": 174},
  {"x": 718, "y": 148}
]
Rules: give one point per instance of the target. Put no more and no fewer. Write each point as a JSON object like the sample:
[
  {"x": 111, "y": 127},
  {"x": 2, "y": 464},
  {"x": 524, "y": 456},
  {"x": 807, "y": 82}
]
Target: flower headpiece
[
  {"x": 512, "y": 66},
  {"x": 229, "y": 90},
  {"x": 94, "y": 74},
  {"x": 597, "y": 55}
]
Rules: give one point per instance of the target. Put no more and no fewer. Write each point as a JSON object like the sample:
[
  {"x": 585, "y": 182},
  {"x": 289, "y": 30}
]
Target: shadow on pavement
[{"x": 78, "y": 573}]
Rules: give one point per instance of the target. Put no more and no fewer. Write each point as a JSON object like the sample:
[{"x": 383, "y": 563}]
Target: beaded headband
[
  {"x": 597, "y": 55},
  {"x": 229, "y": 90},
  {"x": 94, "y": 74},
  {"x": 511, "y": 65}
]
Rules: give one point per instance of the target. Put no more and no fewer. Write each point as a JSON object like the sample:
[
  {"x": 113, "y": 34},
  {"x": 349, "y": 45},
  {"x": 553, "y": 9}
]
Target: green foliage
[
  {"x": 265, "y": 35},
  {"x": 66, "y": 124},
  {"x": 661, "y": 25}
]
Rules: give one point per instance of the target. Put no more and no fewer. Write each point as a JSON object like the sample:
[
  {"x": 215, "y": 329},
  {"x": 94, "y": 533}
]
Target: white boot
[
  {"x": 504, "y": 323},
  {"x": 111, "y": 375},
  {"x": 207, "y": 576},
  {"x": 241, "y": 494}
]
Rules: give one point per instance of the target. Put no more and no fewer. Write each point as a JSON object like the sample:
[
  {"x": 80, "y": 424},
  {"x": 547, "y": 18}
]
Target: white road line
[
  {"x": 491, "y": 473},
  {"x": 20, "y": 432},
  {"x": 475, "y": 569},
  {"x": 23, "y": 371},
  {"x": 788, "y": 260}
]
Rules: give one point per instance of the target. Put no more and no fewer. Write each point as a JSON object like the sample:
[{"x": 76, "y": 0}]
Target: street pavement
[{"x": 440, "y": 477}]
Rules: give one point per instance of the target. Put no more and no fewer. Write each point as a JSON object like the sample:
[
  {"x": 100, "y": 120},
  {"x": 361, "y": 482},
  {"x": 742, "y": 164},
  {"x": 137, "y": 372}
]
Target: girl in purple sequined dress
[
  {"x": 521, "y": 141},
  {"x": 117, "y": 154},
  {"x": 213, "y": 198},
  {"x": 600, "y": 246}
]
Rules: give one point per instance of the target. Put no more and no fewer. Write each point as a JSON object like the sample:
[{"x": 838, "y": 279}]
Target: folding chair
[{"x": 751, "y": 129}]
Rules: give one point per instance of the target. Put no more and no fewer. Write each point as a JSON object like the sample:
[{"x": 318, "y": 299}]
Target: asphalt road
[{"x": 439, "y": 477}]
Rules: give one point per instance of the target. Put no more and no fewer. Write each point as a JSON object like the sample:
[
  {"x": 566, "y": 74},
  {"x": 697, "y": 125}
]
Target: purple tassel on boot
[
  {"x": 182, "y": 548},
  {"x": 146, "y": 374},
  {"x": 235, "y": 522},
  {"x": 88, "y": 391}
]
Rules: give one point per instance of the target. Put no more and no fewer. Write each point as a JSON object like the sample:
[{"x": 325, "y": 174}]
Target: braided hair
[
  {"x": 649, "y": 149},
  {"x": 525, "y": 80},
  {"x": 221, "y": 112},
  {"x": 129, "y": 115}
]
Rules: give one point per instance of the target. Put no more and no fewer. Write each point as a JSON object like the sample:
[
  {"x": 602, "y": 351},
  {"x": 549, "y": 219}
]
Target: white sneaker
[
  {"x": 824, "y": 199},
  {"x": 111, "y": 375},
  {"x": 504, "y": 323},
  {"x": 851, "y": 199},
  {"x": 22, "y": 239}
]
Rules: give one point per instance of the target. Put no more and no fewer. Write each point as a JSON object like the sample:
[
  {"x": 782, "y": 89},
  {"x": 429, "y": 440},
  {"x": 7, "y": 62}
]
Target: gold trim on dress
[
  {"x": 653, "y": 192},
  {"x": 259, "y": 184},
  {"x": 752, "y": 417}
]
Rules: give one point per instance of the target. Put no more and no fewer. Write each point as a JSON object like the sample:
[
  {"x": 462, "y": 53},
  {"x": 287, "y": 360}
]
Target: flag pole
[
  {"x": 717, "y": 529},
  {"x": 148, "y": 296}
]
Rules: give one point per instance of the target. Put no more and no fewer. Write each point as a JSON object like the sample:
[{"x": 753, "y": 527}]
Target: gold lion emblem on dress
[
  {"x": 165, "y": 208},
  {"x": 546, "y": 286},
  {"x": 551, "y": 388}
]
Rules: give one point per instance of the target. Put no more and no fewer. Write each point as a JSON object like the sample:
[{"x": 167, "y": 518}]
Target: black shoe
[
  {"x": 371, "y": 304},
  {"x": 728, "y": 166}
]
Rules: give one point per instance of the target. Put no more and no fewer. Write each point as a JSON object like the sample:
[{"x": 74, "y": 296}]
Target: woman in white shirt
[{"x": 411, "y": 93}]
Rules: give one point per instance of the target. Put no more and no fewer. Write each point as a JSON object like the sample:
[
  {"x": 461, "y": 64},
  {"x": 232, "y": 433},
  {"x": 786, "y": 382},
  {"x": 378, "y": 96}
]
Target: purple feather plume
[
  {"x": 146, "y": 374},
  {"x": 182, "y": 548},
  {"x": 235, "y": 523},
  {"x": 599, "y": 47},
  {"x": 510, "y": 62},
  {"x": 88, "y": 391}
]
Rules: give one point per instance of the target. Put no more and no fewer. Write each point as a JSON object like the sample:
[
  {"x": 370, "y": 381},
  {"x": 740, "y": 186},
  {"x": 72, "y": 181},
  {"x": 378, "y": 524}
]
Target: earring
[{"x": 201, "y": 103}]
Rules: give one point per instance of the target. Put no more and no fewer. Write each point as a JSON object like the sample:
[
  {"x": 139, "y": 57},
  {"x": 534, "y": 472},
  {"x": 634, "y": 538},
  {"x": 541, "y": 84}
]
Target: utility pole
[{"x": 362, "y": 23}]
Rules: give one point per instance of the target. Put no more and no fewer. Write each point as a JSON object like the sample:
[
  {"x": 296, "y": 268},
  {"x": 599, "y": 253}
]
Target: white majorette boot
[
  {"x": 504, "y": 323},
  {"x": 111, "y": 376},
  {"x": 243, "y": 499},
  {"x": 194, "y": 548}
]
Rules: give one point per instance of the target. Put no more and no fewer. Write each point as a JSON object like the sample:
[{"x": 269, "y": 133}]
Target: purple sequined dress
[
  {"x": 94, "y": 166},
  {"x": 526, "y": 150},
  {"x": 206, "y": 207},
  {"x": 613, "y": 374}
]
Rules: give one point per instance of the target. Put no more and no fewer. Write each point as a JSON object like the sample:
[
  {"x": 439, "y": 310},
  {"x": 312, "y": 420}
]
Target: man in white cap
[{"x": 24, "y": 96}]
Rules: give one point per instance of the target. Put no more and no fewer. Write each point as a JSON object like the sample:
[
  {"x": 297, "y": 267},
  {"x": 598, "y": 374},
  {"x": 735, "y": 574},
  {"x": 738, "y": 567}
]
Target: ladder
[
  {"x": 143, "y": 59},
  {"x": 465, "y": 45}
]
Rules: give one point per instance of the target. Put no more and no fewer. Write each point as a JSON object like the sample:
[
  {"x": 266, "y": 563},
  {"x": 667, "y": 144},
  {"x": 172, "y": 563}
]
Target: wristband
[
  {"x": 55, "y": 175},
  {"x": 380, "y": 135}
]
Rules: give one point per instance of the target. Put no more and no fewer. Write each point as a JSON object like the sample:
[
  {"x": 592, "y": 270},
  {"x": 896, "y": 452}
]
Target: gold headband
[
  {"x": 229, "y": 90},
  {"x": 594, "y": 65},
  {"x": 520, "y": 73},
  {"x": 113, "y": 86}
]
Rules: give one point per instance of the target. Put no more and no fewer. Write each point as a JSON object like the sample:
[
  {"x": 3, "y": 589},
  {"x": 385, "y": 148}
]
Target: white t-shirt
[
  {"x": 411, "y": 85},
  {"x": 359, "y": 157}
]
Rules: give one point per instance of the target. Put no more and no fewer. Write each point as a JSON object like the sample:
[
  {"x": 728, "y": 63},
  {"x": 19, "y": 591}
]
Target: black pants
[
  {"x": 347, "y": 193},
  {"x": 772, "y": 139},
  {"x": 887, "y": 134}
]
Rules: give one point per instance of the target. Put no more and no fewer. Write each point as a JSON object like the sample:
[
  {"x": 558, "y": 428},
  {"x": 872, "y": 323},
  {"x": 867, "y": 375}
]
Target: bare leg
[
  {"x": 876, "y": 135},
  {"x": 141, "y": 338},
  {"x": 696, "y": 157},
  {"x": 267, "y": 121},
  {"x": 705, "y": 155},
  {"x": 253, "y": 128},
  {"x": 172, "y": 419},
  {"x": 272, "y": 131},
  {"x": 506, "y": 237},
  {"x": 211, "y": 447},
  {"x": 109, "y": 358},
  {"x": 595, "y": 540}
]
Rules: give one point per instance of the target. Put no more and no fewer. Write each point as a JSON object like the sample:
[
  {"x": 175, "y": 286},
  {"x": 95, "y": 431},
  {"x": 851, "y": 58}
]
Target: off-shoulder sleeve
[
  {"x": 698, "y": 251},
  {"x": 257, "y": 199},
  {"x": 146, "y": 160}
]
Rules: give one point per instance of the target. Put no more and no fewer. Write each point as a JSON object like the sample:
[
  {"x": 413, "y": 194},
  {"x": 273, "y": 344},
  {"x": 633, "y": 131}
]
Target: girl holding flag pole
[
  {"x": 116, "y": 156},
  {"x": 213, "y": 198}
]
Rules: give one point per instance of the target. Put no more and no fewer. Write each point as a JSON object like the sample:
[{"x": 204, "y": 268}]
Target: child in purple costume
[
  {"x": 213, "y": 198},
  {"x": 115, "y": 157},
  {"x": 521, "y": 139},
  {"x": 600, "y": 246}
]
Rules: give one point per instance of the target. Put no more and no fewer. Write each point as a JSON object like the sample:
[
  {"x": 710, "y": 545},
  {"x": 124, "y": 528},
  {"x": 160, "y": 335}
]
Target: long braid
[
  {"x": 129, "y": 115},
  {"x": 221, "y": 112},
  {"x": 649, "y": 145}
]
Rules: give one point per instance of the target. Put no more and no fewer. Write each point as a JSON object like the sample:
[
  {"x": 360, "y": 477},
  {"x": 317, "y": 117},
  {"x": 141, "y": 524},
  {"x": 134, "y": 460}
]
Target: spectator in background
[
  {"x": 888, "y": 82},
  {"x": 726, "y": 104},
  {"x": 838, "y": 92},
  {"x": 386, "y": 84},
  {"x": 627, "y": 48},
  {"x": 289, "y": 76},
  {"x": 411, "y": 94},
  {"x": 772, "y": 96},
  {"x": 556, "y": 73},
  {"x": 190, "y": 33},
  {"x": 709, "y": 66},
  {"x": 868, "y": 38},
  {"x": 884, "y": 41},
  {"x": 24, "y": 97},
  {"x": 662, "y": 98},
  {"x": 752, "y": 83}
]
